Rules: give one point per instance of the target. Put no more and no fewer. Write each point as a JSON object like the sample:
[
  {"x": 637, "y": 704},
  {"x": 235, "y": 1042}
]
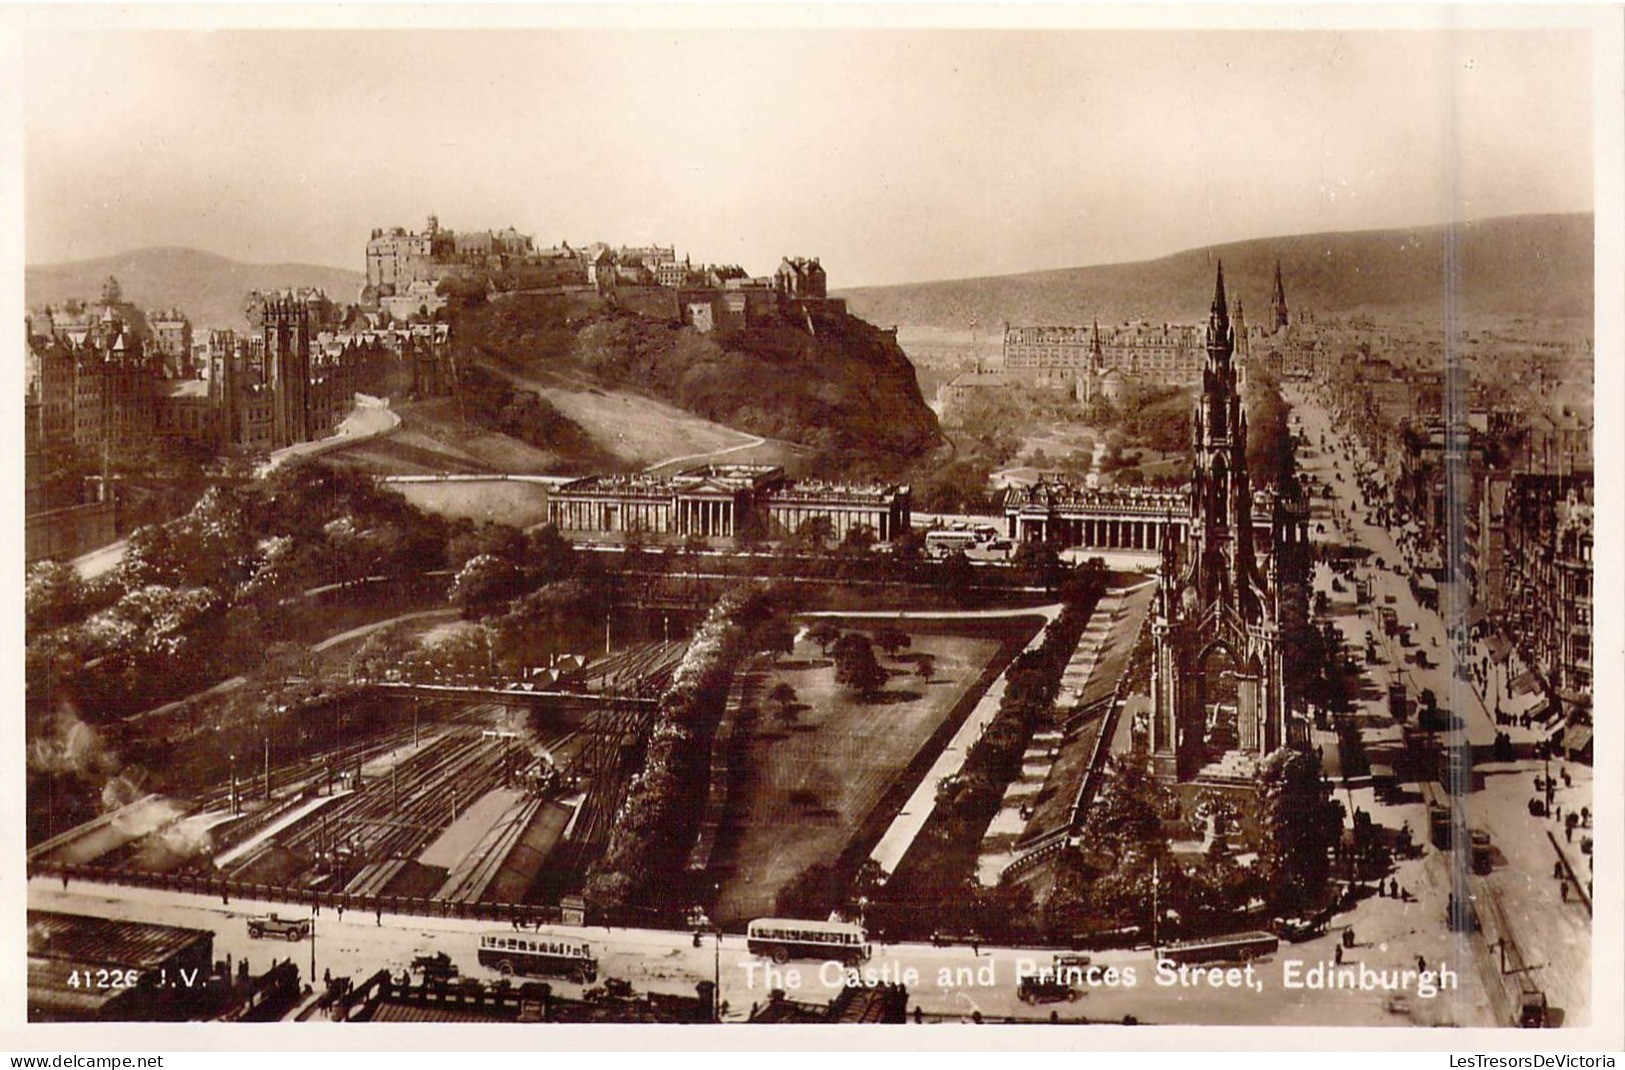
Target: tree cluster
[
  {"x": 937, "y": 868},
  {"x": 657, "y": 821},
  {"x": 197, "y": 595}
]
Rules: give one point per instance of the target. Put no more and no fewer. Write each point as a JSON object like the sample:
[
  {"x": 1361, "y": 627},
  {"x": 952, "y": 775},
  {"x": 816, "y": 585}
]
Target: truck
[
  {"x": 275, "y": 925},
  {"x": 436, "y": 967}
]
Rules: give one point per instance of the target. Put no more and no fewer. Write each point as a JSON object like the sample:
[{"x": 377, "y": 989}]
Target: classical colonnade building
[
  {"x": 725, "y": 501},
  {"x": 1131, "y": 519}
]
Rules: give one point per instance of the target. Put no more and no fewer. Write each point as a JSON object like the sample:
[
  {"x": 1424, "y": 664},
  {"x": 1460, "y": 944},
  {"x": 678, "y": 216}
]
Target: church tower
[
  {"x": 1282, "y": 319},
  {"x": 287, "y": 369},
  {"x": 1217, "y": 668}
]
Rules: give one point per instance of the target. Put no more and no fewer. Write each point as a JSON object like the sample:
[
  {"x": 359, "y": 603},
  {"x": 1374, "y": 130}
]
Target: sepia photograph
[{"x": 891, "y": 516}]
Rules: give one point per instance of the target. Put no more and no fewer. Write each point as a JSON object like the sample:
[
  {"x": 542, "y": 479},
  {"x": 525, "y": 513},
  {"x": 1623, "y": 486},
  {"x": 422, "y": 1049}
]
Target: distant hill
[
  {"x": 208, "y": 288},
  {"x": 1521, "y": 265}
]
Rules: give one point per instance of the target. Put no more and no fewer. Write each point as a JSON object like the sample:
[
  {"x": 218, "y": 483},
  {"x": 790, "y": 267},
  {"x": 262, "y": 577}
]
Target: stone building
[
  {"x": 1067, "y": 357},
  {"x": 725, "y": 501},
  {"x": 1220, "y": 617},
  {"x": 96, "y": 381},
  {"x": 399, "y": 260},
  {"x": 1548, "y": 578},
  {"x": 884, "y": 509},
  {"x": 801, "y": 278},
  {"x": 710, "y": 501}
]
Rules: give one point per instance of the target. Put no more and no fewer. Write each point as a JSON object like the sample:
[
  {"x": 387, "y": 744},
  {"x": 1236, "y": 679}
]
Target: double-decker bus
[
  {"x": 536, "y": 955},
  {"x": 783, "y": 939}
]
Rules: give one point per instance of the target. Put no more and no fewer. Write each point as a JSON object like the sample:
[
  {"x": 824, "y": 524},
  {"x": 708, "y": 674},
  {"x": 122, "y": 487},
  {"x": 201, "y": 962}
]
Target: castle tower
[
  {"x": 1282, "y": 319},
  {"x": 287, "y": 369},
  {"x": 1217, "y": 674}
]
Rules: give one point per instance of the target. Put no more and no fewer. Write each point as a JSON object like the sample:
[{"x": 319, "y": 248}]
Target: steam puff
[{"x": 69, "y": 746}]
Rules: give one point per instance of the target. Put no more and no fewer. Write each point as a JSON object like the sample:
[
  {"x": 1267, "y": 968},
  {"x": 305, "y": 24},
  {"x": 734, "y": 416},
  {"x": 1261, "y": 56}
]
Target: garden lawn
[{"x": 814, "y": 781}]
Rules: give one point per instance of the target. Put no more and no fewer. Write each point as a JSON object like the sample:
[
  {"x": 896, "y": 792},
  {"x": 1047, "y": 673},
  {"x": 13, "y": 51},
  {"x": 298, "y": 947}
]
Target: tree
[
  {"x": 858, "y": 539},
  {"x": 485, "y": 581},
  {"x": 1301, "y": 823},
  {"x": 825, "y": 632},
  {"x": 784, "y": 697},
  {"x": 548, "y": 553},
  {"x": 1038, "y": 563},
  {"x": 815, "y": 532},
  {"x": 926, "y": 667},
  {"x": 772, "y": 634},
  {"x": 378, "y": 653},
  {"x": 1128, "y": 815},
  {"x": 855, "y": 664},
  {"x": 892, "y": 639},
  {"x": 53, "y": 595}
]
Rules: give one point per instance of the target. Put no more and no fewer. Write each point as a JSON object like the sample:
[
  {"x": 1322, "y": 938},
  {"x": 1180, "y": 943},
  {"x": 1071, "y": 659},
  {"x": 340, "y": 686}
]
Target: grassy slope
[{"x": 841, "y": 385}]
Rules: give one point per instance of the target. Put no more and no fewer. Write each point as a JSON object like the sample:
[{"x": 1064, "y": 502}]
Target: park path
[{"x": 900, "y": 835}]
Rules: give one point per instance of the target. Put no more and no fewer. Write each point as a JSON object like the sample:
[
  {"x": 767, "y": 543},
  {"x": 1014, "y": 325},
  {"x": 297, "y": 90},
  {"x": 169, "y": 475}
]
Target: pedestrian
[
  {"x": 1337, "y": 955},
  {"x": 341, "y": 910},
  {"x": 1421, "y": 964},
  {"x": 380, "y": 917},
  {"x": 64, "y": 881},
  {"x": 1393, "y": 888},
  {"x": 1565, "y": 891},
  {"x": 1557, "y": 869},
  {"x": 1568, "y": 832}
]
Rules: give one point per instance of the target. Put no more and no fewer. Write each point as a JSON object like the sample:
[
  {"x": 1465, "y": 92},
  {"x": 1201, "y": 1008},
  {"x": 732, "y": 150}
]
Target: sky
[{"x": 895, "y": 155}]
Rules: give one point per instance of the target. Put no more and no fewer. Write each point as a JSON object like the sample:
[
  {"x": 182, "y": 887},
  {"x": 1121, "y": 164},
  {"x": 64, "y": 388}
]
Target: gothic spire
[
  {"x": 1281, "y": 316},
  {"x": 1220, "y": 315}
]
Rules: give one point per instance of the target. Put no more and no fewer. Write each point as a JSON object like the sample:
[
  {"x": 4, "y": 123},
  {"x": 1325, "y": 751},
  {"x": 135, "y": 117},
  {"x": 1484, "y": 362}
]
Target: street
[{"x": 1552, "y": 931}]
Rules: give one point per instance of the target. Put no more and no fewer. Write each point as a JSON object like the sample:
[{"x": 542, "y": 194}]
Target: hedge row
[{"x": 657, "y": 820}]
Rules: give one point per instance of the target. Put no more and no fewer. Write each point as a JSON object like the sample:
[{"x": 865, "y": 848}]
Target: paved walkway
[
  {"x": 912, "y": 817},
  {"x": 1021, "y": 795}
]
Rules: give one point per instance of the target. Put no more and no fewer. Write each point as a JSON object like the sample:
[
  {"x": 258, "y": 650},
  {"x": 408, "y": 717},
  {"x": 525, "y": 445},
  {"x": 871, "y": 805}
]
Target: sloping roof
[
  {"x": 52, "y": 998},
  {"x": 103, "y": 941}
]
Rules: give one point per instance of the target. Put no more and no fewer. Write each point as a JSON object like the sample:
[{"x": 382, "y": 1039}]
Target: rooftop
[{"x": 87, "y": 940}]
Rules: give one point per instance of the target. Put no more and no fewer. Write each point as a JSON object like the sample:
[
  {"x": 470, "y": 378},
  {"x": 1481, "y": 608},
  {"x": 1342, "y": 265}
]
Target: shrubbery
[
  {"x": 659, "y": 816},
  {"x": 933, "y": 878}
]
